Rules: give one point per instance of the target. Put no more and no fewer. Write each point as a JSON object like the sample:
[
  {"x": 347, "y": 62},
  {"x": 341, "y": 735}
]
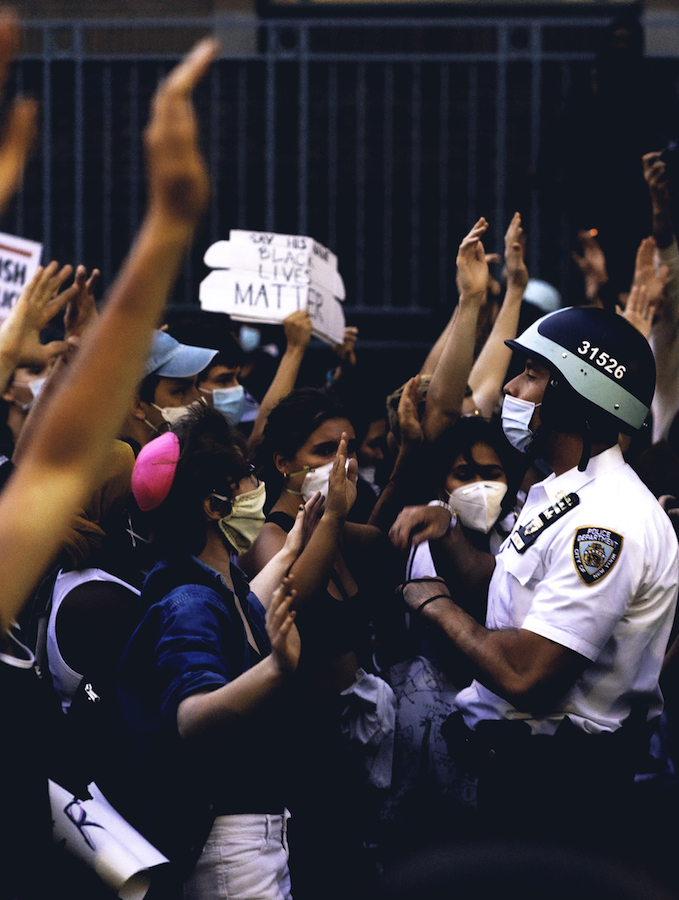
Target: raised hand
[
  {"x": 640, "y": 309},
  {"x": 281, "y": 628},
  {"x": 20, "y": 127},
  {"x": 655, "y": 175},
  {"x": 648, "y": 286},
  {"x": 298, "y": 328},
  {"x": 515, "y": 266},
  {"x": 308, "y": 516},
  {"x": 37, "y": 305},
  {"x": 179, "y": 186},
  {"x": 346, "y": 351},
  {"x": 472, "y": 267},
  {"x": 342, "y": 482},
  {"x": 82, "y": 308}
]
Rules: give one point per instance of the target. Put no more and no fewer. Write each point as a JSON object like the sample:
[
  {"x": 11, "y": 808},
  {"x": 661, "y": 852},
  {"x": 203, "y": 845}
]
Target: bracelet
[
  {"x": 445, "y": 505},
  {"x": 431, "y": 600}
]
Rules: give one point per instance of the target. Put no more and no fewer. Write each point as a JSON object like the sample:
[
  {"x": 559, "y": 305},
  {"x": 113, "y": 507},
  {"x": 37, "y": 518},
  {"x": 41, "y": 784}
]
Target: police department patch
[{"x": 595, "y": 552}]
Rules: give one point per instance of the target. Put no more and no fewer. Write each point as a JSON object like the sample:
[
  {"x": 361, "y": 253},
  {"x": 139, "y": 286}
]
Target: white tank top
[{"x": 64, "y": 678}]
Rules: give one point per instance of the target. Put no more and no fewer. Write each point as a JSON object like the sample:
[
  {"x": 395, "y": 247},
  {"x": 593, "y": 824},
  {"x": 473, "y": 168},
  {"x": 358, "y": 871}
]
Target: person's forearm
[
  {"x": 490, "y": 369},
  {"x": 202, "y": 714},
  {"x": 311, "y": 570},
  {"x": 430, "y": 363},
  {"x": 283, "y": 383},
  {"x": 391, "y": 500},
  {"x": 471, "y": 567},
  {"x": 449, "y": 382},
  {"x": 268, "y": 579},
  {"x": 60, "y": 466}
]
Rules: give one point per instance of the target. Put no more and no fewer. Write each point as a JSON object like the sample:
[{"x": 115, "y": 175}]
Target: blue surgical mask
[
  {"x": 230, "y": 402},
  {"x": 516, "y": 418}
]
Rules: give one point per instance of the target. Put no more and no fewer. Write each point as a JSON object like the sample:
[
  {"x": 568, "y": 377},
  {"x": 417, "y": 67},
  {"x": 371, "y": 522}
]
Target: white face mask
[
  {"x": 230, "y": 402},
  {"x": 172, "y": 414},
  {"x": 315, "y": 480},
  {"x": 516, "y": 418},
  {"x": 478, "y": 504}
]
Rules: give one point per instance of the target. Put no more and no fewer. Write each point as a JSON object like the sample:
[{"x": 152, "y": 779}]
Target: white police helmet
[{"x": 601, "y": 357}]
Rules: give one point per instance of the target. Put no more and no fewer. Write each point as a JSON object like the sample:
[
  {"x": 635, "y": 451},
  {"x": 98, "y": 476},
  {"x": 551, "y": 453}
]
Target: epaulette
[{"x": 526, "y": 535}]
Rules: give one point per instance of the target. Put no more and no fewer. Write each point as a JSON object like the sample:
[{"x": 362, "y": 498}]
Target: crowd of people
[{"x": 296, "y": 633}]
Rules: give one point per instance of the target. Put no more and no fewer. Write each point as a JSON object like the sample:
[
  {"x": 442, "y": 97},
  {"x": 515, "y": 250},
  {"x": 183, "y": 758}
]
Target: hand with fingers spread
[
  {"x": 177, "y": 175},
  {"x": 81, "y": 310},
  {"x": 472, "y": 267},
  {"x": 20, "y": 127},
  {"x": 592, "y": 264},
  {"x": 342, "y": 483},
  {"x": 281, "y": 628},
  {"x": 37, "y": 305},
  {"x": 515, "y": 266}
]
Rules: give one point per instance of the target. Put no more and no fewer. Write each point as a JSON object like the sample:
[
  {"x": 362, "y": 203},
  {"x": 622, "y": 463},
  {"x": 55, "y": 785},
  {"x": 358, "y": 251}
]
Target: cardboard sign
[
  {"x": 247, "y": 298},
  {"x": 263, "y": 277},
  {"x": 19, "y": 260}
]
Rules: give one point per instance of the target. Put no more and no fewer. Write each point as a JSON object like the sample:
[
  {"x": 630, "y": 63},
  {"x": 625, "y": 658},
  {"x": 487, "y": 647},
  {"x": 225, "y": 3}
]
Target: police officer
[{"x": 581, "y": 600}]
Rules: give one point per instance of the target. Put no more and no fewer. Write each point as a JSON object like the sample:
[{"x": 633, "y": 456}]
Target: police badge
[{"x": 595, "y": 552}]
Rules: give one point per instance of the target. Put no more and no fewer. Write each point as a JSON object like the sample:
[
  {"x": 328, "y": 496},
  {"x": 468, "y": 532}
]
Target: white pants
[{"x": 244, "y": 858}]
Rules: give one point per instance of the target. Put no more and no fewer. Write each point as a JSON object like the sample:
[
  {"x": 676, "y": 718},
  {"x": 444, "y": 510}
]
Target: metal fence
[{"x": 382, "y": 138}]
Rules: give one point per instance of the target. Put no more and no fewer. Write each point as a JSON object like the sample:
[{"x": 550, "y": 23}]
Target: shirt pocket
[{"x": 527, "y": 568}]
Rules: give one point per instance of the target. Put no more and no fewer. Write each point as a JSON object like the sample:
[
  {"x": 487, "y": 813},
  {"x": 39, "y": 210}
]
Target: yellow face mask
[{"x": 243, "y": 523}]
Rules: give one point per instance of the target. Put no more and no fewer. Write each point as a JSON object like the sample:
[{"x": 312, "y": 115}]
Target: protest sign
[
  {"x": 263, "y": 277},
  {"x": 19, "y": 260},
  {"x": 95, "y": 833},
  {"x": 247, "y": 298}
]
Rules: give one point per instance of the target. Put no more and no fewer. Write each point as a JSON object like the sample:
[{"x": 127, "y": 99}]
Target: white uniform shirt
[{"x": 618, "y": 613}]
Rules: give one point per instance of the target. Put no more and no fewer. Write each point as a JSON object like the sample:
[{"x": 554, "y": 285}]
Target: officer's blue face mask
[
  {"x": 230, "y": 402},
  {"x": 516, "y": 418}
]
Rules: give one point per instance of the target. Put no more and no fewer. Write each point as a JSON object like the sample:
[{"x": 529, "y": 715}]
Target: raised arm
[
  {"x": 20, "y": 127},
  {"x": 490, "y": 369},
  {"x": 298, "y": 328},
  {"x": 449, "y": 381},
  {"x": 60, "y": 467}
]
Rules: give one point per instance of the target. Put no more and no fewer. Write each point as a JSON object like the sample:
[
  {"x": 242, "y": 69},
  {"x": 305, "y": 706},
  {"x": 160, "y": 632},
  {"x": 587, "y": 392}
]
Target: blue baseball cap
[{"x": 170, "y": 359}]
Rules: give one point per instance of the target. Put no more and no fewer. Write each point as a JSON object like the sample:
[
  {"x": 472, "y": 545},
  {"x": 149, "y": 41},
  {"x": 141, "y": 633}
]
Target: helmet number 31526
[{"x": 603, "y": 359}]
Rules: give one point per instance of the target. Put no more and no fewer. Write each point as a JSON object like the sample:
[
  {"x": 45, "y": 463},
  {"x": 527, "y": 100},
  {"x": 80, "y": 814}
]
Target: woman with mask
[
  {"x": 201, "y": 679},
  {"x": 306, "y": 442}
]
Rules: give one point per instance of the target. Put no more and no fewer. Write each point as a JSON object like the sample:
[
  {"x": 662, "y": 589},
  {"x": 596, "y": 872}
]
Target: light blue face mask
[
  {"x": 230, "y": 402},
  {"x": 516, "y": 417},
  {"x": 249, "y": 338}
]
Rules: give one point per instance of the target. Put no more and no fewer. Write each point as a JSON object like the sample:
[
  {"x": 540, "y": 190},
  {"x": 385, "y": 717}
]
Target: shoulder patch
[{"x": 595, "y": 552}]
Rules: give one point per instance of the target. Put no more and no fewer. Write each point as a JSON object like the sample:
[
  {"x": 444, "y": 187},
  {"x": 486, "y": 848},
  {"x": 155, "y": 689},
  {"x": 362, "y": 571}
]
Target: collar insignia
[{"x": 525, "y": 536}]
